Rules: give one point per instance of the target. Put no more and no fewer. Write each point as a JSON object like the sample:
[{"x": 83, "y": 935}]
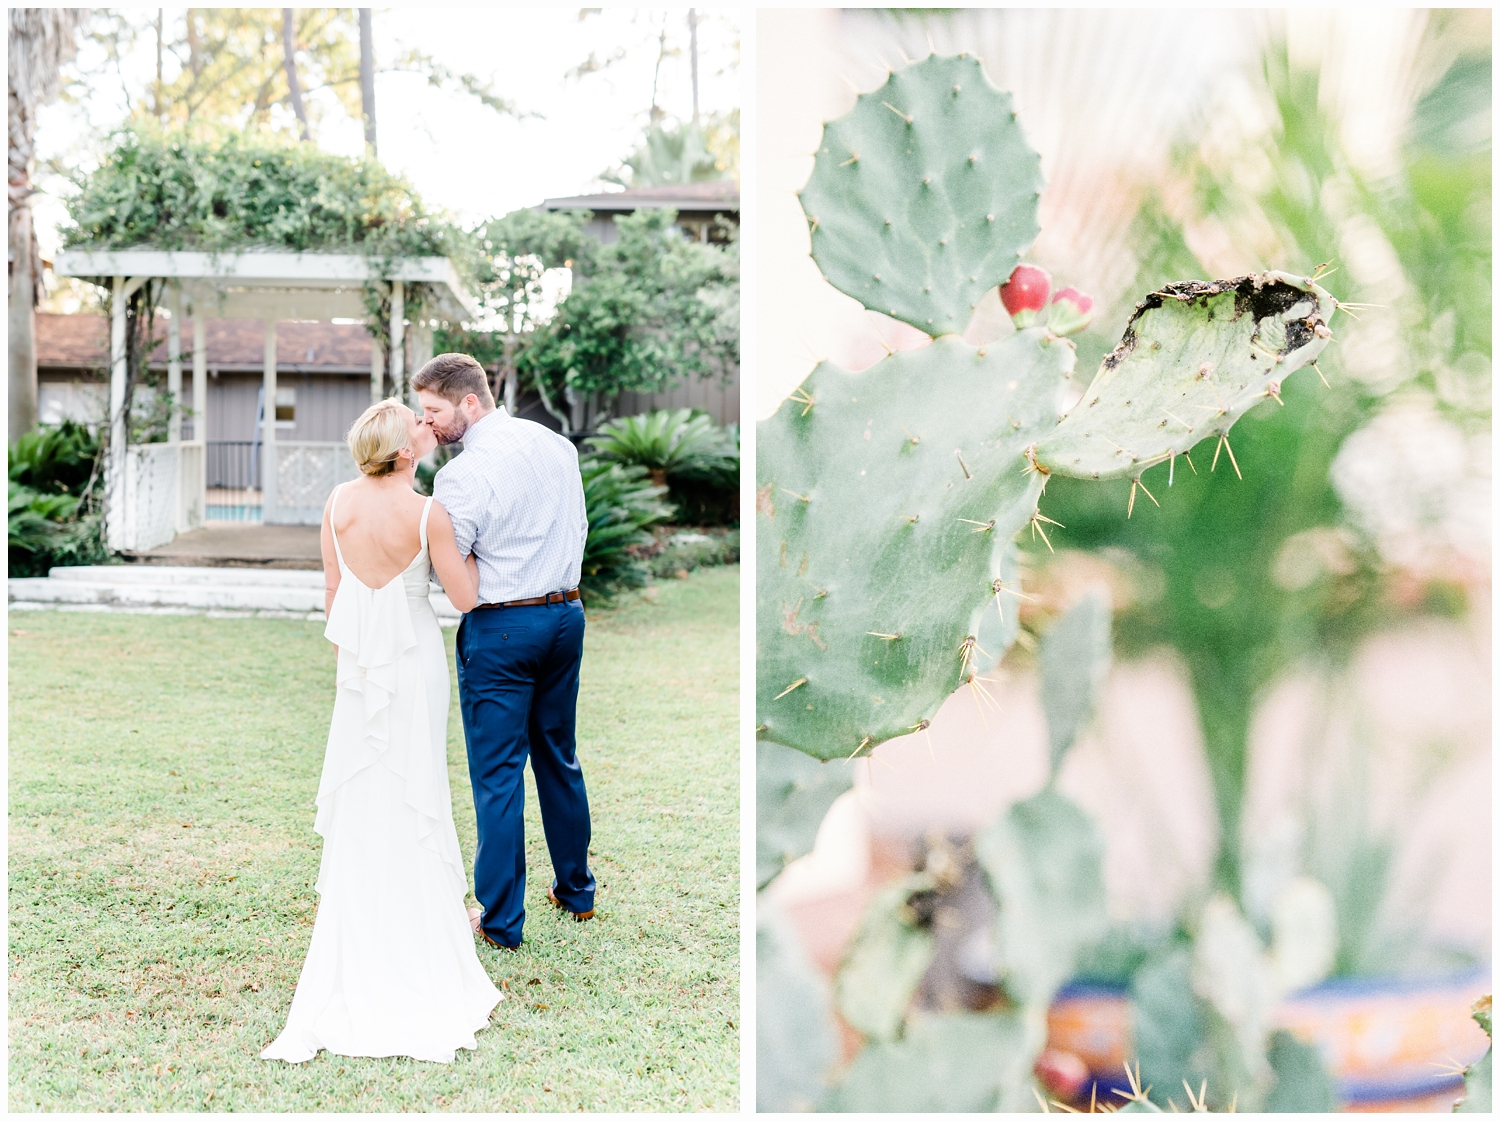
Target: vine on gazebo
[{"x": 242, "y": 192}]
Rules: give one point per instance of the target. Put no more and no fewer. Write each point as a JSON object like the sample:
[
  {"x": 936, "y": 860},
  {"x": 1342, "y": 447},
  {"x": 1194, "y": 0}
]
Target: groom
[{"x": 516, "y": 501}]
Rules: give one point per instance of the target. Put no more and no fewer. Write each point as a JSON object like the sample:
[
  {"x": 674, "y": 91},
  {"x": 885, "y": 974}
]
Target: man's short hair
[{"x": 453, "y": 376}]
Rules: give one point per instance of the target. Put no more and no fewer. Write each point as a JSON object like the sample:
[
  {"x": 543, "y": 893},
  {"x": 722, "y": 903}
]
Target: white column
[
  {"x": 421, "y": 352},
  {"x": 115, "y": 494},
  {"x": 377, "y": 373},
  {"x": 174, "y": 364},
  {"x": 200, "y": 379},
  {"x": 268, "y": 429},
  {"x": 398, "y": 340}
]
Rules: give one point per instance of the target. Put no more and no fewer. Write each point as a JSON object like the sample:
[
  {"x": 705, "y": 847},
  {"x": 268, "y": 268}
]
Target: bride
[{"x": 391, "y": 969}]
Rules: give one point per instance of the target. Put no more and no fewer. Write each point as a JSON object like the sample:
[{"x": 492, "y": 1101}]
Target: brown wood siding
[
  {"x": 326, "y": 406},
  {"x": 721, "y": 401}
]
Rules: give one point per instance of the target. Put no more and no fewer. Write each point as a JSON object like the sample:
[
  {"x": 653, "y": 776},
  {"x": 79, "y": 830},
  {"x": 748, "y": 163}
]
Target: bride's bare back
[
  {"x": 378, "y": 525},
  {"x": 378, "y": 516},
  {"x": 379, "y": 530}
]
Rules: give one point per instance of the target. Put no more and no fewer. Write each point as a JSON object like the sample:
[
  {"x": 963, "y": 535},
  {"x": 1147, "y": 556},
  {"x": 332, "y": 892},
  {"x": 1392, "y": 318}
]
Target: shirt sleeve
[
  {"x": 463, "y": 508},
  {"x": 581, "y": 502}
]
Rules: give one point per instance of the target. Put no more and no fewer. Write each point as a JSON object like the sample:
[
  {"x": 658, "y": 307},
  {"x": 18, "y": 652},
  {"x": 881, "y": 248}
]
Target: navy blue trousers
[{"x": 518, "y": 693}]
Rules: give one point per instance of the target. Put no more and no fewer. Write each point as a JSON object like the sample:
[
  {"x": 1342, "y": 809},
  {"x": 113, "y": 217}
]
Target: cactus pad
[
  {"x": 1044, "y": 861},
  {"x": 1195, "y": 357},
  {"x": 959, "y": 1062},
  {"x": 792, "y": 796},
  {"x": 924, "y": 195},
  {"x": 887, "y": 503},
  {"x": 1073, "y": 662},
  {"x": 887, "y": 960}
]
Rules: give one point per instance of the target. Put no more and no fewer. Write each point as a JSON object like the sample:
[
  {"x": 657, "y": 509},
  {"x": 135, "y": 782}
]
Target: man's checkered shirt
[{"x": 516, "y": 500}]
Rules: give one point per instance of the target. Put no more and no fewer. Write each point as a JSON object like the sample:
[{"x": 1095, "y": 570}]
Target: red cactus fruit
[
  {"x": 1025, "y": 294},
  {"x": 1062, "y": 1072},
  {"x": 1071, "y": 311}
]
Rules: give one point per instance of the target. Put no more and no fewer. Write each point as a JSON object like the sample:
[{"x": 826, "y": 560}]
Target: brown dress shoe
[
  {"x": 498, "y": 945},
  {"x": 577, "y": 916}
]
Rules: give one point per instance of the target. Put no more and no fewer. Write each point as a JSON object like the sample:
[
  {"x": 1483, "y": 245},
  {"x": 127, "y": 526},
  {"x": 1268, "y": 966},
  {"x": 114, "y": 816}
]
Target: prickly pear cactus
[
  {"x": 888, "y": 500},
  {"x": 887, "y": 510},
  {"x": 924, "y": 195},
  {"x": 1479, "y": 1079},
  {"x": 1194, "y": 359}
]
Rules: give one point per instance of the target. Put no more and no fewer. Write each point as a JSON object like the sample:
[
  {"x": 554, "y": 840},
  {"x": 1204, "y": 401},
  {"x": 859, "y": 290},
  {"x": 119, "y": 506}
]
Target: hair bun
[{"x": 377, "y": 437}]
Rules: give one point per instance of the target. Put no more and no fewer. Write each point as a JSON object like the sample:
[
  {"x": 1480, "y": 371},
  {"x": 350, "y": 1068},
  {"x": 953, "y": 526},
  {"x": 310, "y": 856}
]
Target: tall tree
[
  {"x": 41, "y": 41},
  {"x": 367, "y": 75},
  {"x": 230, "y": 63},
  {"x": 652, "y": 311},
  {"x": 231, "y": 67},
  {"x": 289, "y": 50},
  {"x": 693, "y": 49},
  {"x": 161, "y": 17}
]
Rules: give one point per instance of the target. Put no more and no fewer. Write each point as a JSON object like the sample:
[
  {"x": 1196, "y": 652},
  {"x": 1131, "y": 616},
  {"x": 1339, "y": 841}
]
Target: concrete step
[
  {"x": 186, "y": 590},
  {"x": 199, "y": 595},
  {"x": 188, "y": 575}
]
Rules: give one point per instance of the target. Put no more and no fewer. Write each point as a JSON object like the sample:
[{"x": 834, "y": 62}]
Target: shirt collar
[{"x": 482, "y": 427}]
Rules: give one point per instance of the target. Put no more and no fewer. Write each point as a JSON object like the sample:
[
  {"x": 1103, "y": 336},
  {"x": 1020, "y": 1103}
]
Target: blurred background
[{"x": 1302, "y": 674}]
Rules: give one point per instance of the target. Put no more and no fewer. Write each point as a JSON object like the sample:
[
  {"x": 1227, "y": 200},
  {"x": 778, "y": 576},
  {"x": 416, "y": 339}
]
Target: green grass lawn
[{"x": 162, "y": 856}]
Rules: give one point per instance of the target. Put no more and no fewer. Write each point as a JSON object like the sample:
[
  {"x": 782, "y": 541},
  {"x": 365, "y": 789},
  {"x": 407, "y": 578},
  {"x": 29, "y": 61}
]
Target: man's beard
[{"x": 455, "y": 433}]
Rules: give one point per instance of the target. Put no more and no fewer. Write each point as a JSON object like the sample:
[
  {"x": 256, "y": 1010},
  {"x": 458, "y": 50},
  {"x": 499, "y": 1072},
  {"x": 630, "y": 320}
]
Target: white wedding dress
[{"x": 391, "y": 969}]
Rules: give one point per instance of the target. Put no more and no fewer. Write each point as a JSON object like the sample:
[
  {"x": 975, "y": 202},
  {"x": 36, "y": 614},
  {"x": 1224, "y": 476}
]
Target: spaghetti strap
[
  {"x": 333, "y": 507},
  {"x": 426, "y": 509}
]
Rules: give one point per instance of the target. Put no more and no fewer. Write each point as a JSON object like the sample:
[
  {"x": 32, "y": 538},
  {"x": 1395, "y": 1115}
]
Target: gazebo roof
[
  {"x": 80, "y": 343},
  {"x": 702, "y": 196},
  {"x": 280, "y": 284}
]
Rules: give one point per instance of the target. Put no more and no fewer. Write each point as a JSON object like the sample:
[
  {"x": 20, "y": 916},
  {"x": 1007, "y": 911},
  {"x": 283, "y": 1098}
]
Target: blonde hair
[{"x": 377, "y": 437}]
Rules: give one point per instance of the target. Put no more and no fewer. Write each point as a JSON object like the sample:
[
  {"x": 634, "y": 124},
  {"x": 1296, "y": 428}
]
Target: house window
[{"x": 286, "y": 408}]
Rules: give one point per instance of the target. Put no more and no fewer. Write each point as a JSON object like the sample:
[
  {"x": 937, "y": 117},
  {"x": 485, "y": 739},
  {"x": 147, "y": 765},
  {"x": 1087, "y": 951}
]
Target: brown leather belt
[{"x": 550, "y": 598}]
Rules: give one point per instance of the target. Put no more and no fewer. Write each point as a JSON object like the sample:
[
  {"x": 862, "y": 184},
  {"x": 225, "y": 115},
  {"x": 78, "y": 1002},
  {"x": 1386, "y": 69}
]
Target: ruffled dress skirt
[{"x": 391, "y": 969}]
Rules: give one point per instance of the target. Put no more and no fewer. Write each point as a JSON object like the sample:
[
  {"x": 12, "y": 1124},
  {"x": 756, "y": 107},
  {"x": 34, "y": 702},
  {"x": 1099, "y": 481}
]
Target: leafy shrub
[
  {"x": 55, "y": 459},
  {"x": 685, "y": 451},
  {"x": 52, "y": 474},
  {"x": 688, "y": 550},
  {"x": 247, "y": 190},
  {"x": 652, "y": 311},
  {"x": 622, "y": 504},
  {"x": 47, "y": 530}
]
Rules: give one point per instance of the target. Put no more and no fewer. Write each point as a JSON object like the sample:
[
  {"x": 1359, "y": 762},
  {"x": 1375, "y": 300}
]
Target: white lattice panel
[
  {"x": 306, "y": 474},
  {"x": 150, "y": 517}
]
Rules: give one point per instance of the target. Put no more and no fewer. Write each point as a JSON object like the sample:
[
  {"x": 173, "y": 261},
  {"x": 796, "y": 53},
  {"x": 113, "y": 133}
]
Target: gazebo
[{"x": 156, "y": 490}]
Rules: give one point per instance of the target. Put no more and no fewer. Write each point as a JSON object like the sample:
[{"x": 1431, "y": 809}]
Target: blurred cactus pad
[{"x": 889, "y": 500}]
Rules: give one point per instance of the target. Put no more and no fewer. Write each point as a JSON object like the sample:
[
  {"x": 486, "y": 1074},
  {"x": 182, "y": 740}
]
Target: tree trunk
[
  {"x": 693, "y": 52},
  {"x": 508, "y": 373},
  {"x": 552, "y": 410},
  {"x": 289, "y": 50},
  {"x": 367, "y": 76},
  {"x": 39, "y": 42},
  {"x": 657, "y": 113},
  {"x": 577, "y": 405},
  {"x": 21, "y": 323},
  {"x": 161, "y": 16}
]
